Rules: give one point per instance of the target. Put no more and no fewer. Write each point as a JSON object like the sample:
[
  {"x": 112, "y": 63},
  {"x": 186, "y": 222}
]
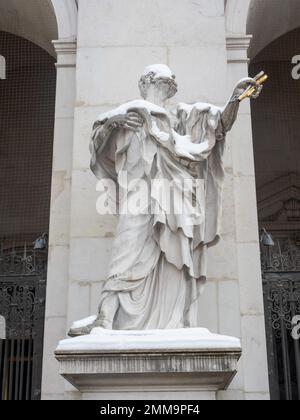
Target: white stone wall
[{"x": 116, "y": 39}]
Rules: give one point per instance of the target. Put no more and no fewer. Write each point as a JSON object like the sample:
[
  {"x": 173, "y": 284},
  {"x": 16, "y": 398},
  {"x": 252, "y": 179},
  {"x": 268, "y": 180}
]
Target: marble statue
[{"x": 159, "y": 257}]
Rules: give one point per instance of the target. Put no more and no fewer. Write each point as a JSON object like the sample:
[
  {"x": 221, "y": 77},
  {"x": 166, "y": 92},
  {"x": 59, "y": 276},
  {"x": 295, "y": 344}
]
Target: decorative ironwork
[
  {"x": 288, "y": 212},
  {"x": 283, "y": 297},
  {"x": 22, "y": 261},
  {"x": 284, "y": 256},
  {"x": 22, "y": 304},
  {"x": 282, "y": 304},
  {"x": 19, "y": 303}
]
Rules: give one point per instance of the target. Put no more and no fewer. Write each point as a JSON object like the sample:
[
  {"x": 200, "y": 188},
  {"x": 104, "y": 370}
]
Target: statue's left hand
[
  {"x": 243, "y": 84},
  {"x": 130, "y": 121}
]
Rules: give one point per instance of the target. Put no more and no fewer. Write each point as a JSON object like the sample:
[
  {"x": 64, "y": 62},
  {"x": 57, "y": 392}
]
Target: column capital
[
  {"x": 237, "y": 48},
  {"x": 66, "y": 52}
]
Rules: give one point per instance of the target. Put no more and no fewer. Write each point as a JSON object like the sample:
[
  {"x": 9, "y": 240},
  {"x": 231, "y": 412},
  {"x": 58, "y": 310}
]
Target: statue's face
[
  {"x": 160, "y": 80},
  {"x": 166, "y": 85}
]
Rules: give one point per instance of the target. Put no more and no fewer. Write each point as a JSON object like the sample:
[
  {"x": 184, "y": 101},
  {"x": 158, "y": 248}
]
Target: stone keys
[{"x": 260, "y": 78}]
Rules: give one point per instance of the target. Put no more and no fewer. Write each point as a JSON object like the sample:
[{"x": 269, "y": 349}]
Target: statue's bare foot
[
  {"x": 77, "y": 332},
  {"x": 102, "y": 322},
  {"x": 86, "y": 330},
  {"x": 107, "y": 325}
]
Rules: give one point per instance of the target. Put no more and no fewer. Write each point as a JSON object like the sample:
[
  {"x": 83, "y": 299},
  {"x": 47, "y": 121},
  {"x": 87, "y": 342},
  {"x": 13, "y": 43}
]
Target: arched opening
[
  {"x": 276, "y": 139},
  {"x": 269, "y": 20},
  {"x": 27, "y": 108}
]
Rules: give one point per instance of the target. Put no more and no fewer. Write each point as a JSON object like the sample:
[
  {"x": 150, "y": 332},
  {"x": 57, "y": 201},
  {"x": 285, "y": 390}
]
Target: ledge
[
  {"x": 237, "y": 48},
  {"x": 189, "y": 359}
]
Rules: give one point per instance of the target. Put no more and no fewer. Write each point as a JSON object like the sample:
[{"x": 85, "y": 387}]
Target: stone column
[
  {"x": 58, "y": 261},
  {"x": 254, "y": 359}
]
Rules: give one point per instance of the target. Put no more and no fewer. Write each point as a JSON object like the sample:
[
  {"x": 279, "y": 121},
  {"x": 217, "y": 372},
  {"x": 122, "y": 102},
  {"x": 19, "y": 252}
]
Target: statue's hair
[
  {"x": 146, "y": 80},
  {"x": 150, "y": 78}
]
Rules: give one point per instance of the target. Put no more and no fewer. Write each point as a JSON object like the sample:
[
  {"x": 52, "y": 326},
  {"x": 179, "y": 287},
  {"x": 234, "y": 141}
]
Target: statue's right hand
[
  {"x": 245, "y": 83},
  {"x": 131, "y": 121}
]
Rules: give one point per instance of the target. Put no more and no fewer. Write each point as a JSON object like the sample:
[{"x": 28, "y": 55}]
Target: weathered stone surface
[{"x": 113, "y": 365}]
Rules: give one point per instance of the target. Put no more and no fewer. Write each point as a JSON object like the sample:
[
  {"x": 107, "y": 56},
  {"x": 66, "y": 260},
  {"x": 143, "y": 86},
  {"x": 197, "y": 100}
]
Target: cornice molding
[
  {"x": 66, "y": 52},
  {"x": 237, "y": 48}
]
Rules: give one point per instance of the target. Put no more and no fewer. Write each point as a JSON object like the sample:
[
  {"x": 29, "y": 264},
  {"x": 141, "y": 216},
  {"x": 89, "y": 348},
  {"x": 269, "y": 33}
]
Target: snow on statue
[{"x": 158, "y": 262}]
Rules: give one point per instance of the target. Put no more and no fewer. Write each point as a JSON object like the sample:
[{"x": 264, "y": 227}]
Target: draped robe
[{"x": 158, "y": 262}]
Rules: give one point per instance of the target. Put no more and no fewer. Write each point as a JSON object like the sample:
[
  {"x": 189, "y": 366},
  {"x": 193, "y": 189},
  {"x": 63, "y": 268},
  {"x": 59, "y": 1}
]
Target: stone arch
[
  {"x": 268, "y": 21},
  {"x": 32, "y": 20},
  {"x": 66, "y": 16},
  {"x": 41, "y": 21},
  {"x": 236, "y": 13},
  {"x": 264, "y": 20}
]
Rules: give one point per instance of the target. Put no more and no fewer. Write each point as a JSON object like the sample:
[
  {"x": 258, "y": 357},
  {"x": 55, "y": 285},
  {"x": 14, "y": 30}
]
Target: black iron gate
[
  {"x": 281, "y": 283},
  {"x": 22, "y": 304}
]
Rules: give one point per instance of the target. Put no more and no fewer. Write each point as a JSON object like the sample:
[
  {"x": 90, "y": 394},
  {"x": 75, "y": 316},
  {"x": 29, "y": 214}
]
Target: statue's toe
[{"x": 77, "y": 332}]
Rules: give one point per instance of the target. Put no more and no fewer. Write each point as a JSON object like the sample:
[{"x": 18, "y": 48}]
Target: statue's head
[{"x": 158, "y": 80}]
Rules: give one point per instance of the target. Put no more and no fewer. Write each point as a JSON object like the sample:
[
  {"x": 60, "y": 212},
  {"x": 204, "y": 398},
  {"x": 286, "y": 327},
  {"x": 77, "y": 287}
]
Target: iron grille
[
  {"x": 284, "y": 256},
  {"x": 22, "y": 303},
  {"x": 281, "y": 284}
]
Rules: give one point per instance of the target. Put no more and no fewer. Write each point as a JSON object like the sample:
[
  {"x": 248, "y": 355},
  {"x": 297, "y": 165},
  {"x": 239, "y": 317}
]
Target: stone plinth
[{"x": 172, "y": 364}]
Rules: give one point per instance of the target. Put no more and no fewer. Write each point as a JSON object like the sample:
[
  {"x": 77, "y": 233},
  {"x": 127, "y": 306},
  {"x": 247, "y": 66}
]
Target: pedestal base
[{"x": 152, "y": 365}]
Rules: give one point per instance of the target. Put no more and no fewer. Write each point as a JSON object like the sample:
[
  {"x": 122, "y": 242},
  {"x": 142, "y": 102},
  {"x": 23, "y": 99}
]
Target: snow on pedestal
[
  {"x": 101, "y": 339},
  {"x": 160, "y": 364}
]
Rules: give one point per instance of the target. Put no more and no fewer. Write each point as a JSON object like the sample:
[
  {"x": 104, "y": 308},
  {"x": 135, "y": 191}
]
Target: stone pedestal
[{"x": 173, "y": 364}]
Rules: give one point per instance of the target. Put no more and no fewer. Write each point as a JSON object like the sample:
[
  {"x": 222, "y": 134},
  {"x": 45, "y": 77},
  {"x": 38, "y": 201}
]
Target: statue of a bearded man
[{"x": 159, "y": 256}]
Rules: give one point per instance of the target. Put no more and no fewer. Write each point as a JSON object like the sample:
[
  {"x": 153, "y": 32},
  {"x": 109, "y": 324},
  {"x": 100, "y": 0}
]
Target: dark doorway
[
  {"x": 27, "y": 106},
  {"x": 276, "y": 136}
]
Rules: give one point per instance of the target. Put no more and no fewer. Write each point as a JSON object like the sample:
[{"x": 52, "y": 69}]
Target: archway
[
  {"x": 27, "y": 108},
  {"x": 276, "y": 127},
  {"x": 268, "y": 21}
]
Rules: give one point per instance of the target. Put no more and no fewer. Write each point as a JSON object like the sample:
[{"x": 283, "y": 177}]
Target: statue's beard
[
  {"x": 169, "y": 87},
  {"x": 173, "y": 87}
]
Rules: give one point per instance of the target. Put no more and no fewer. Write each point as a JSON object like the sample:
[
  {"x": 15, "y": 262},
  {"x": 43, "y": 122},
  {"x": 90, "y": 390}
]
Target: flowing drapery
[{"x": 158, "y": 261}]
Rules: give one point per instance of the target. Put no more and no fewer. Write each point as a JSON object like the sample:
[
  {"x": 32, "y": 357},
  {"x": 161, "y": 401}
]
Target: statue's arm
[
  {"x": 101, "y": 132},
  {"x": 230, "y": 110},
  {"x": 103, "y": 129}
]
